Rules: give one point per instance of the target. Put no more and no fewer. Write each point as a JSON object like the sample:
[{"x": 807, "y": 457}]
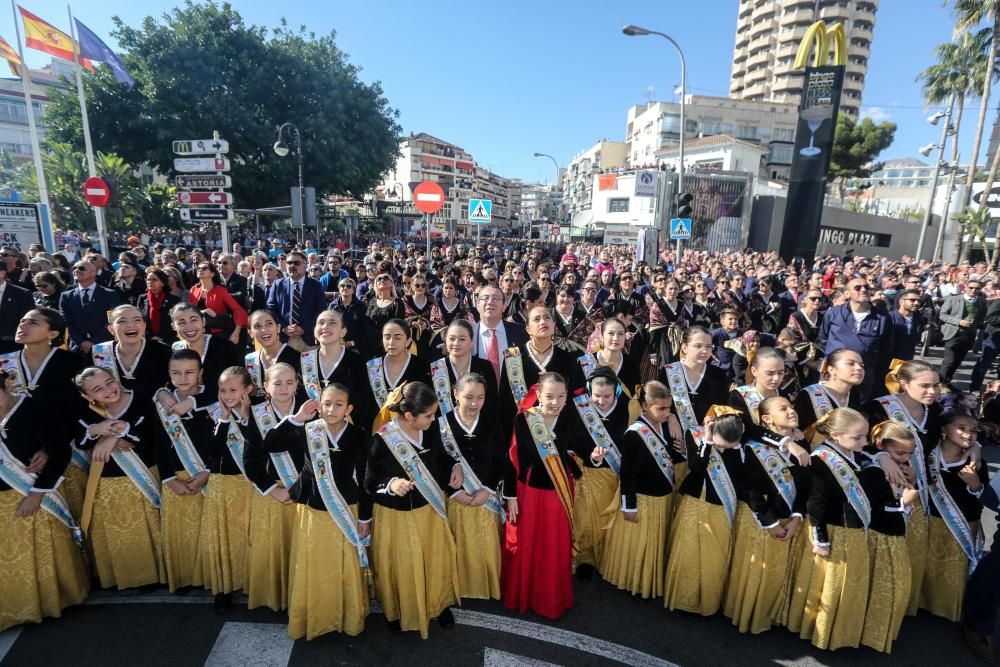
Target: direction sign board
[
  {"x": 190, "y": 164},
  {"x": 200, "y": 146},
  {"x": 204, "y": 181},
  {"x": 206, "y": 214},
  {"x": 428, "y": 197},
  {"x": 205, "y": 198},
  {"x": 680, "y": 228},
  {"x": 96, "y": 191},
  {"x": 480, "y": 210}
]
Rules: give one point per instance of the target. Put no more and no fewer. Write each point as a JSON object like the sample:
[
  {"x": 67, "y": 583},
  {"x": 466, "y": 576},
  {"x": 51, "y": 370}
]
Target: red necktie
[{"x": 493, "y": 352}]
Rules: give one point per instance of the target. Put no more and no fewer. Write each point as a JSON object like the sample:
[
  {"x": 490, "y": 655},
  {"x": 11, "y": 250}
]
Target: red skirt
[{"x": 537, "y": 570}]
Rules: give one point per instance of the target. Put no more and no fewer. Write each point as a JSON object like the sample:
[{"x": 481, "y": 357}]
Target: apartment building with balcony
[
  {"x": 578, "y": 181},
  {"x": 15, "y": 138},
  {"x": 423, "y": 157},
  {"x": 768, "y": 34},
  {"x": 652, "y": 127}
]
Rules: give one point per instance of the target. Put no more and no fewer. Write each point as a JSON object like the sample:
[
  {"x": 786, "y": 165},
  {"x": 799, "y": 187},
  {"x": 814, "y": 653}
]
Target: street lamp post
[
  {"x": 926, "y": 150},
  {"x": 636, "y": 31},
  {"x": 555, "y": 183},
  {"x": 281, "y": 149}
]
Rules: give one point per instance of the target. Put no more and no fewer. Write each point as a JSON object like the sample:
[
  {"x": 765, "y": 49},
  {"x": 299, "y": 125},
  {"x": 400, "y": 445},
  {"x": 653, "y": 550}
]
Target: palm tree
[
  {"x": 971, "y": 13},
  {"x": 976, "y": 224}
]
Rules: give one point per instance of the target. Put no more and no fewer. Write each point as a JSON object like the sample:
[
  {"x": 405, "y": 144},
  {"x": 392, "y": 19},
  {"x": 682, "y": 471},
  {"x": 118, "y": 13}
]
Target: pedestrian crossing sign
[
  {"x": 680, "y": 228},
  {"x": 480, "y": 210}
]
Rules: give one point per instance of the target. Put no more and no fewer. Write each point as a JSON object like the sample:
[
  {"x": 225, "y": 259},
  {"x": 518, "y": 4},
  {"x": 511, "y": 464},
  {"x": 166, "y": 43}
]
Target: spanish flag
[
  {"x": 8, "y": 53},
  {"x": 43, "y": 36}
]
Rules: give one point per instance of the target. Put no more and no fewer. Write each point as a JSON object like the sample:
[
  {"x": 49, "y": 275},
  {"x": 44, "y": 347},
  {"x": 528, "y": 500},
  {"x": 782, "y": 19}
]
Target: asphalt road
[{"x": 606, "y": 626}]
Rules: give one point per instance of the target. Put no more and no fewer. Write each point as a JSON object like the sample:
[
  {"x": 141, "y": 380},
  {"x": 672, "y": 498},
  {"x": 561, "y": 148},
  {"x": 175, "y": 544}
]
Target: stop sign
[
  {"x": 96, "y": 191},
  {"x": 428, "y": 197}
]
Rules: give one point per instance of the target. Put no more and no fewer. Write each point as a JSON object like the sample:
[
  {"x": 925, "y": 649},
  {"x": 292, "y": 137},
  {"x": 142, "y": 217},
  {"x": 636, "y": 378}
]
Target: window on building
[
  {"x": 746, "y": 132},
  {"x": 783, "y": 134},
  {"x": 780, "y": 154},
  {"x": 619, "y": 205}
]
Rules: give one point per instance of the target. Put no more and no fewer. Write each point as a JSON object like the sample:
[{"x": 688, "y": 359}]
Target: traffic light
[{"x": 684, "y": 209}]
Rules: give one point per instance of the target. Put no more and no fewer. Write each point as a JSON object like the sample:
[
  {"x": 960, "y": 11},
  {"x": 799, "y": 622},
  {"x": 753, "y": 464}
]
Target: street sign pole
[
  {"x": 427, "y": 230},
  {"x": 479, "y": 233},
  {"x": 223, "y": 224}
]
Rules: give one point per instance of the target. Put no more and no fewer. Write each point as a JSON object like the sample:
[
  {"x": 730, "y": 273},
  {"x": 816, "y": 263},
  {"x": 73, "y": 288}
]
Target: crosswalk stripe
[
  {"x": 7, "y": 639},
  {"x": 493, "y": 657},
  {"x": 251, "y": 644}
]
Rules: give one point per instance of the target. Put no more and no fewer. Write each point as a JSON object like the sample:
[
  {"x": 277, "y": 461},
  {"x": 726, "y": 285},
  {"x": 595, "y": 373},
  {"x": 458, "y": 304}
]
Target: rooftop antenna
[{"x": 649, "y": 96}]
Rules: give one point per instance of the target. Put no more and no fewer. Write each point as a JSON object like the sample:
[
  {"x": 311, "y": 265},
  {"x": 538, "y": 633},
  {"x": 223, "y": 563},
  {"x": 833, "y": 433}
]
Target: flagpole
[
  {"x": 89, "y": 147},
  {"x": 43, "y": 190}
]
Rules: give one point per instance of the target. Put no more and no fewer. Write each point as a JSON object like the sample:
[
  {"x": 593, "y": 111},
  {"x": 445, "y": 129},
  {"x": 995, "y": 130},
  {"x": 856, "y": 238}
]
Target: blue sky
[{"x": 504, "y": 80}]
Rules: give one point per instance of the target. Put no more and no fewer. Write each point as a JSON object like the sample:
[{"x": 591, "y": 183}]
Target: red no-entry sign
[
  {"x": 96, "y": 191},
  {"x": 428, "y": 197}
]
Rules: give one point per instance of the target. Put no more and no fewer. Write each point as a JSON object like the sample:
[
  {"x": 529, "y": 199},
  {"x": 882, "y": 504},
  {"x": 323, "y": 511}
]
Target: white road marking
[
  {"x": 7, "y": 639},
  {"x": 476, "y": 619},
  {"x": 550, "y": 635},
  {"x": 496, "y": 658},
  {"x": 251, "y": 645}
]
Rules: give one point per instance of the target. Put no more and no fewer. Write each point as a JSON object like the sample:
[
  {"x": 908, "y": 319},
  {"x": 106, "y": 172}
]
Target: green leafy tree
[
  {"x": 200, "y": 68},
  {"x": 856, "y": 144},
  {"x": 976, "y": 224},
  {"x": 970, "y": 14}
]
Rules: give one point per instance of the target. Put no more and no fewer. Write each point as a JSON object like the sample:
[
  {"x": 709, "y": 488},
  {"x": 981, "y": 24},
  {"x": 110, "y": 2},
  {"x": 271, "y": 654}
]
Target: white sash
[
  {"x": 595, "y": 429},
  {"x": 898, "y": 413},
  {"x": 284, "y": 465},
  {"x": 235, "y": 442},
  {"x": 16, "y": 476},
  {"x": 377, "y": 381},
  {"x": 514, "y": 367},
  {"x": 970, "y": 541},
  {"x": 848, "y": 481},
  {"x": 753, "y": 399},
  {"x": 657, "y": 449},
  {"x": 103, "y": 355},
  {"x": 338, "y": 509},
  {"x": 187, "y": 453},
  {"x": 819, "y": 399},
  {"x": 777, "y": 470},
  {"x": 442, "y": 384},
  {"x": 252, "y": 364},
  {"x": 411, "y": 463},
  {"x": 470, "y": 481},
  {"x": 677, "y": 381}
]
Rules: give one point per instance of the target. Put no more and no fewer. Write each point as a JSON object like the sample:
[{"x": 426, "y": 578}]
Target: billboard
[{"x": 19, "y": 226}]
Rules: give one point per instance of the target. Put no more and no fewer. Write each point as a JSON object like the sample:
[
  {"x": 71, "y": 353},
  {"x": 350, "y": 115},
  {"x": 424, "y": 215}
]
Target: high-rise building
[
  {"x": 423, "y": 157},
  {"x": 578, "y": 182},
  {"x": 768, "y": 34},
  {"x": 15, "y": 138}
]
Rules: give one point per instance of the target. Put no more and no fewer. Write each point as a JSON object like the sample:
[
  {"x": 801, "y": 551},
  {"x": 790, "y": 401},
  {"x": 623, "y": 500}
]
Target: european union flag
[{"x": 92, "y": 48}]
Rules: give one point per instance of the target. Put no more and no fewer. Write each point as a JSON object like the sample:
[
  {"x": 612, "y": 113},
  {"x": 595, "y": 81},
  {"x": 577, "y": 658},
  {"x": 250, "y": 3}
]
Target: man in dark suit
[
  {"x": 297, "y": 300},
  {"x": 991, "y": 346},
  {"x": 233, "y": 281},
  {"x": 492, "y": 330},
  {"x": 908, "y": 324},
  {"x": 86, "y": 307},
  {"x": 789, "y": 299},
  {"x": 962, "y": 316},
  {"x": 14, "y": 303}
]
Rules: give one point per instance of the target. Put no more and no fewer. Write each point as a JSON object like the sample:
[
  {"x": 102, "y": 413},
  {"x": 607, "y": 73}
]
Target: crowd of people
[{"x": 728, "y": 433}]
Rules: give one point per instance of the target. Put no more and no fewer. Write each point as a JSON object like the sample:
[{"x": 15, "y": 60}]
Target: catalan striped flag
[{"x": 43, "y": 36}]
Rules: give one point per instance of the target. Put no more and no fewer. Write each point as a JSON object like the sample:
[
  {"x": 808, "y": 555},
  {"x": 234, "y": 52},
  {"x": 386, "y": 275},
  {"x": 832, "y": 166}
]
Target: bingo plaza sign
[{"x": 853, "y": 238}]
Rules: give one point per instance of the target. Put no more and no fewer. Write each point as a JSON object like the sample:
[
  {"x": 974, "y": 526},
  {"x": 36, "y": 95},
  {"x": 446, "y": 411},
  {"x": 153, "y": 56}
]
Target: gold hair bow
[
  {"x": 891, "y": 378},
  {"x": 722, "y": 410}
]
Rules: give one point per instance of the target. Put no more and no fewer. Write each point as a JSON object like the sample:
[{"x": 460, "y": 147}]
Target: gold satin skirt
[
  {"x": 416, "y": 571},
  {"x": 41, "y": 569},
  {"x": 942, "y": 591},
  {"x": 327, "y": 590},
  {"x": 700, "y": 541},
  {"x": 799, "y": 555},
  {"x": 889, "y": 590},
  {"x": 680, "y": 472},
  {"x": 223, "y": 540},
  {"x": 834, "y": 599},
  {"x": 180, "y": 525},
  {"x": 595, "y": 502},
  {"x": 125, "y": 536},
  {"x": 635, "y": 554},
  {"x": 916, "y": 544},
  {"x": 74, "y": 488},
  {"x": 269, "y": 553},
  {"x": 477, "y": 545},
  {"x": 756, "y": 574}
]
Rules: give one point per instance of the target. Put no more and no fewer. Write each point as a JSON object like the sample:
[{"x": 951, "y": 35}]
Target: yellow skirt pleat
[
  {"x": 700, "y": 541},
  {"x": 125, "y": 536},
  {"x": 477, "y": 545},
  {"x": 889, "y": 590},
  {"x": 180, "y": 525},
  {"x": 797, "y": 558},
  {"x": 327, "y": 591},
  {"x": 916, "y": 544},
  {"x": 73, "y": 488},
  {"x": 41, "y": 569},
  {"x": 635, "y": 554},
  {"x": 594, "y": 506},
  {"x": 269, "y": 552},
  {"x": 680, "y": 472},
  {"x": 836, "y": 595},
  {"x": 942, "y": 591},
  {"x": 756, "y": 575},
  {"x": 416, "y": 571},
  {"x": 223, "y": 539}
]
